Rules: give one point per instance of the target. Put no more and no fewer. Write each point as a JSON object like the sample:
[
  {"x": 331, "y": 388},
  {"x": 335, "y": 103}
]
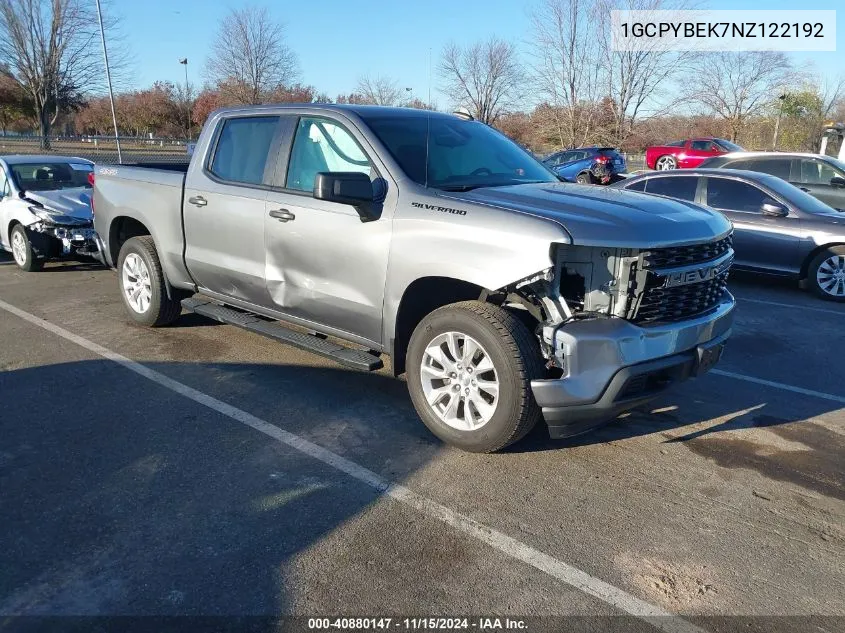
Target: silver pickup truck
[{"x": 503, "y": 294}]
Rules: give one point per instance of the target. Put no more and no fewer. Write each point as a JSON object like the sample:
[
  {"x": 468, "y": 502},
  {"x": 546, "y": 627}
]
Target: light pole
[
  {"x": 184, "y": 61},
  {"x": 782, "y": 99},
  {"x": 108, "y": 80}
]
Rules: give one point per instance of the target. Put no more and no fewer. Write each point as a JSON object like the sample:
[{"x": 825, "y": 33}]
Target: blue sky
[{"x": 343, "y": 39}]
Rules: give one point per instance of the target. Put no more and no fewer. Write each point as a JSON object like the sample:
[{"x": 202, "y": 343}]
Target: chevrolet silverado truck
[{"x": 356, "y": 232}]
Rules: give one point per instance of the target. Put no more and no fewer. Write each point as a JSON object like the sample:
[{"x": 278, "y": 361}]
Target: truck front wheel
[
  {"x": 142, "y": 284},
  {"x": 470, "y": 367}
]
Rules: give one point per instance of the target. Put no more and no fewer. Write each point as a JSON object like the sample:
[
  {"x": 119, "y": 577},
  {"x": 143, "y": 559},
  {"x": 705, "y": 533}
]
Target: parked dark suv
[{"x": 821, "y": 176}]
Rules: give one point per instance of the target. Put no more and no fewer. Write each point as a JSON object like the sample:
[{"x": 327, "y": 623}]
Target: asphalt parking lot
[{"x": 212, "y": 484}]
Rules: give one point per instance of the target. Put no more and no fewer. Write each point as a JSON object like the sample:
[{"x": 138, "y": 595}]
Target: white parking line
[
  {"x": 505, "y": 544},
  {"x": 792, "y": 306},
  {"x": 780, "y": 385}
]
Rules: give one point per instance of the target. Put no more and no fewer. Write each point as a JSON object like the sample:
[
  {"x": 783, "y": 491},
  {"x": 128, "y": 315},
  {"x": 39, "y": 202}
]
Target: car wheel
[
  {"x": 826, "y": 274},
  {"x": 584, "y": 178},
  {"x": 142, "y": 284},
  {"x": 666, "y": 163},
  {"x": 26, "y": 257},
  {"x": 470, "y": 367}
]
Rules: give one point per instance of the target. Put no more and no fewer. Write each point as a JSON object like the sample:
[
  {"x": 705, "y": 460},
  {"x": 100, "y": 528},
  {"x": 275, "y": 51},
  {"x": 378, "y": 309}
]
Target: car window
[
  {"x": 637, "y": 186},
  {"x": 242, "y": 149},
  {"x": 322, "y": 145},
  {"x": 702, "y": 146},
  {"x": 733, "y": 195},
  {"x": 4, "y": 184},
  {"x": 815, "y": 172},
  {"x": 775, "y": 166},
  {"x": 554, "y": 160},
  {"x": 682, "y": 187}
]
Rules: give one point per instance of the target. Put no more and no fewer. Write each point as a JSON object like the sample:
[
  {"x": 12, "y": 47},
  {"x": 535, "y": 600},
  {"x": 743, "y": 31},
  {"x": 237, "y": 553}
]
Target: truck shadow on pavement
[{"x": 120, "y": 496}]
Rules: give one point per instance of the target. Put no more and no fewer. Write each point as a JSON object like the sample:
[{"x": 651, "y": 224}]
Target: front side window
[
  {"x": 815, "y": 172},
  {"x": 702, "y": 146},
  {"x": 51, "y": 176},
  {"x": 728, "y": 146},
  {"x": 4, "y": 184},
  {"x": 322, "y": 145},
  {"x": 733, "y": 195},
  {"x": 637, "y": 186},
  {"x": 681, "y": 187},
  {"x": 242, "y": 149}
]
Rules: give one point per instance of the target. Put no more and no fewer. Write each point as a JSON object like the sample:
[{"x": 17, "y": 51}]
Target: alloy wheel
[
  {"x": 830, "y": 276},
  {"x": 459, "y": 381},
  {"x": 19, "y": 248},
  {"x": 136, "y": 283}
]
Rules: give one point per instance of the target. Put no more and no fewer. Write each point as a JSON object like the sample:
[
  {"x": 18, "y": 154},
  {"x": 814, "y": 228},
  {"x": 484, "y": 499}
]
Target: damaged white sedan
[{"x": 45, "y": 208}]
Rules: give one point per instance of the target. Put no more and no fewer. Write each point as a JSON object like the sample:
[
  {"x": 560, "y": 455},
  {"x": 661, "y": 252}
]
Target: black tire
[
  {"x": 516, "y": 356},
  {"x": 584, "y": 178},
  {"x": 813, "y": 270},
  {"x": 34, "y": 255},
  {"x": 161, "y": 310}
]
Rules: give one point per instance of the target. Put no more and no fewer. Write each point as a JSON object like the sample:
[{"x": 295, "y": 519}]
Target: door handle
[
  {"x": 804, "y": 188},
  {"x": 282, "y": 215},
  {"x": 198, "y": 201}
]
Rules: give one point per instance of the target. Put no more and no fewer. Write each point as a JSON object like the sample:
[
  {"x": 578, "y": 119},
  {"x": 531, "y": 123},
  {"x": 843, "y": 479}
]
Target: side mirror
[
  {"x": 837, "y": 181},
  {"x": 774, "y": 210},
  {"x": 346, "y": 187}
]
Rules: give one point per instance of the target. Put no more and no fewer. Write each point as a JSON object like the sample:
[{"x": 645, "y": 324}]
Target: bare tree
[
  {"x": 250, "y": 58},
  {"x": 639, "y": 80},
  {"x": 52, "y": 47},
  {"x": 485, "y": 77},
  {"x": 379, "y": 90},
  {"x": 736, "y": 86},
  {"x": 566, "y": 69}
]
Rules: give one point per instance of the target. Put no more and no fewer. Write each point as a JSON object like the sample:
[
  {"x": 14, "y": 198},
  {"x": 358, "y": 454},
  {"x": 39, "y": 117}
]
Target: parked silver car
[
  {"x": 45, "y": 208},
  {"x": 778, "y": 228}
]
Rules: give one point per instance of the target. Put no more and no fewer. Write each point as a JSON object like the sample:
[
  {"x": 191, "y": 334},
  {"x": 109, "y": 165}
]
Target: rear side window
[
  {"x": 733, "y": 195},
  {"x": 637, "y": 186},
  {"x": 775, "y": 166},
  {"x": 243, "y": 148},
  {"x": 681, "y": 187}
]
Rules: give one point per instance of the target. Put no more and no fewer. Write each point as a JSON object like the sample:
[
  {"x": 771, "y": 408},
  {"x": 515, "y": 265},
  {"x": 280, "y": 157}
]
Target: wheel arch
[
  {"x": 123, "y": 228},
  {"x": 805, "y": 265},
  {"x": 421, "y": 297}
]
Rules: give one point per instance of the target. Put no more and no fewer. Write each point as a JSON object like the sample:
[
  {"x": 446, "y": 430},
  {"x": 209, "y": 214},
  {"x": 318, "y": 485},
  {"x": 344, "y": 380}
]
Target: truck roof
[{"x": 364, "y": 111}]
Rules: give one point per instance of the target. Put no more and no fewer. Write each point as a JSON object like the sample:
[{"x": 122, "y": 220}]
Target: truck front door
[
  {"x": 324, "y": 263},
  {"x": 224, "y": 208}
]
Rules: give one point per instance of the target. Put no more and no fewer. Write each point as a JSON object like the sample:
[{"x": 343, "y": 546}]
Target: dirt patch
[{"x": 674, "y": 586}]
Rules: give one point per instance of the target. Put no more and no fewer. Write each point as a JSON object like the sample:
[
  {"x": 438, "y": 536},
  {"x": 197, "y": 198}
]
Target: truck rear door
[{"x": 224, "y": 207}]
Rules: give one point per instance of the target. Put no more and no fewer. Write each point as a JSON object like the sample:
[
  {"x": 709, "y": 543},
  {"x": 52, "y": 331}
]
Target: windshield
[
  {"x": 840, "y": 165},
  {"x": 731, "y": 147},
  {"x": 461, "y": 154},
  {"x": 50, "y": 176}
]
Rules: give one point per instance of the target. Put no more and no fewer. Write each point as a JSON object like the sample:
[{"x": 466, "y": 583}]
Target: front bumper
[{"x": 612, "y": 365}]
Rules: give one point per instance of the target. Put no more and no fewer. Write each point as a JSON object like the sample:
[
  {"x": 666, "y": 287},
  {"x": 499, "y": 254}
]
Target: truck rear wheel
[
  {"x": 470, "y": 367},
  {"x": 142, "y": 284}
]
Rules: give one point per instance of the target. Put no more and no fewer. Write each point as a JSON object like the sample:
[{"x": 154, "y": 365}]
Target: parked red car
[{"x": 688, "y": 153}]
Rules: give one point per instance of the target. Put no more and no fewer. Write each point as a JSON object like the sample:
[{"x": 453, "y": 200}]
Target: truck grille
[
  {"x": 660, "y": 304},
  {"x": 684, "y": 255}
]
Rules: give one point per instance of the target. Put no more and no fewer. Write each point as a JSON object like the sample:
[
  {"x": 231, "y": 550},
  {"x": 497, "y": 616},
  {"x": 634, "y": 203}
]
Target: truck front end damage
[{"x": 617, "y": 326}]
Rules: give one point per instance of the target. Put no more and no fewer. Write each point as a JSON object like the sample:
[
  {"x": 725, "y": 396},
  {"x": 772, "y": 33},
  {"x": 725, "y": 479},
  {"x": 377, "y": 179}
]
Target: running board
[{"x": 346, "y": 356}]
